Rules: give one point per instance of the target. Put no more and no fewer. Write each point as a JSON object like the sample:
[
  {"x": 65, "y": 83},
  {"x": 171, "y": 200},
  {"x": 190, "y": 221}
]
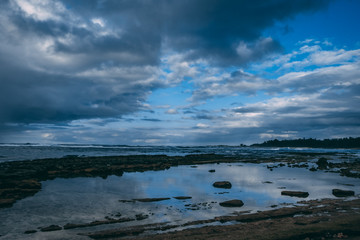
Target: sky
[{"x": 170, "y": 72}]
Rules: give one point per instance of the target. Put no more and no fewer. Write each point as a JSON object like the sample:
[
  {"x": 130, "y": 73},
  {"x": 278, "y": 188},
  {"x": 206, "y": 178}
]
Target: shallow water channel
[{"x": 83, "y": 200}]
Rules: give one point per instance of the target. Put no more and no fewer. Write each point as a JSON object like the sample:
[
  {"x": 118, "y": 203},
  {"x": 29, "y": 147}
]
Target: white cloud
[
  {"x": 272, "y": 135},
  {"x": 172, "y": 111},
  {"x": 41, "y": 10},
  {"x": 306, "y": 41},
  {"x": 176, "y": 68},
  {"x": 243, "y": 50},
  {"x": 333, "y": 57},
  {"x": 98, "y": 21},
  {"x": 202, "y": 125},
  {"x": 310, "y": 49}
]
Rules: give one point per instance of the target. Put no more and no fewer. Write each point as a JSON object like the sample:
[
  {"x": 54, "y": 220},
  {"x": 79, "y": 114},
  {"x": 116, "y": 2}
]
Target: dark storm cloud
[
  {"x": 56, "y": 98},
  {"x": 71, "y": 60},
  {"x": 214, "y": 29}
]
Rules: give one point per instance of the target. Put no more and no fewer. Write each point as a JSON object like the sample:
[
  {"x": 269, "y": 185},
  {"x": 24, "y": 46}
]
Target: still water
[{"x": 83, "y": 200}]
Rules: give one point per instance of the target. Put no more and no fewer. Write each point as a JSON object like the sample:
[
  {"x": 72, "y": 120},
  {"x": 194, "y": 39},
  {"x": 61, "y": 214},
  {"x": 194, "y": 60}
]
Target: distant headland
[{"x": 312, "y": 143}]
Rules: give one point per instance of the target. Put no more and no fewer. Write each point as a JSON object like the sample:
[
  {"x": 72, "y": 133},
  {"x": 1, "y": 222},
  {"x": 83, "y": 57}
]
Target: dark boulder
[
  {"x": 232, "y": 203},
  {"x": 295, "y": 194},
  {"x": 342, "y": 193},
  {"x": 223, "y": 184},
  {"x": 322, "y": 163}
]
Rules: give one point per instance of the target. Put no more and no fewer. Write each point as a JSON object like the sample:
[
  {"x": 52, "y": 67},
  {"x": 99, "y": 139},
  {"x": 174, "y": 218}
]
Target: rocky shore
[
  {"x": 20, "y": 179},
  {"x": 316, "y": 219},
  {"x": 320, "y": 219}
]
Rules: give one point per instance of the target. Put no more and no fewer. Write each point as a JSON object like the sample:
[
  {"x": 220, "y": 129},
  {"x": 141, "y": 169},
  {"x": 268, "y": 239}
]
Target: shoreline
[{"x": 308, "y": 221}]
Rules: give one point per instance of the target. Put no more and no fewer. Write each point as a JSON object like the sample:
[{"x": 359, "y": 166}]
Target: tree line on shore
[{"x": 349, "y": 142}]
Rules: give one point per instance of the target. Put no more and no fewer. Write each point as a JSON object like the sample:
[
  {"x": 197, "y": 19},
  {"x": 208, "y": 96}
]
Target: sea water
[{"x": 17, "y": 152}]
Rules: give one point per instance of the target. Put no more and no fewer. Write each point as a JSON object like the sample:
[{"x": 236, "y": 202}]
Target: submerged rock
[
  {"x": 295, "y": 194},
  {"x": 223, "y": 184},
  {"x": 232, "y": 203},
  {"x": 342, "y": 193},
  {"x": 212, "y": 170},
  {"x": 51, "y": 228},
  {"x": 101, "y": 222},
  {"x": 141, "y": 216},
  {"x": 151, "y": 199},
  {"x": 182, "y": 197}
]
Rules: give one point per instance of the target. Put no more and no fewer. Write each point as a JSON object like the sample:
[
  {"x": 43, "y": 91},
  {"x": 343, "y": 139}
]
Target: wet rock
[
  {"x": 310, "y": 220},
  {"x": 97, "y": 223},
  {"x": 342, "y": 193},
  {"x": 12, "y": 190},
  {"x": 269, "y": 182},
  {"x": 346, "y": 184},
  {"x": 295, "y": 194},
  {"x": 182, "y": 197},
  {"x": 72, "y": 225},
  {"x": 51, "y": 228},
  {"x": 127, "y": 201},
  {"x": 115, "y": 233},
  {"x": 270, "y": 167},
  {"x": 223, "y": 184},
  {"x": 322, "y": 163},
  {"x": 313, "y": 169},
  {"x": 151, "y": 199},
  {"x": 118, "y": 215},
  {"x": 192, "y": 207},
  {"x": 141, "y": 216},
  {"x": 212, "y": 170},
  {"x": 232, "y": 203},
  {"x": 7, "y": 202}
]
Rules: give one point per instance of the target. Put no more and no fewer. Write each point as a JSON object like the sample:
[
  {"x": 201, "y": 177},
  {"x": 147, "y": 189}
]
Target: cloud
[
  {"x": 328, "y": 68},
  {"x": 257, "y": 50},
  {"x": 228, "y": 84},
  {"x": 334, "y": 57},
  {"x": 62, "y": 60},
  {"x": 219, "y": 31},
  {"x": 172, "y": 111}
]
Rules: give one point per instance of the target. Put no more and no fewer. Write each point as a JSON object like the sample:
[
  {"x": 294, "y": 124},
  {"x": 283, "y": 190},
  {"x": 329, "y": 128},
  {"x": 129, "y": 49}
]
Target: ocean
[{"x": 19, "y": 152}]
